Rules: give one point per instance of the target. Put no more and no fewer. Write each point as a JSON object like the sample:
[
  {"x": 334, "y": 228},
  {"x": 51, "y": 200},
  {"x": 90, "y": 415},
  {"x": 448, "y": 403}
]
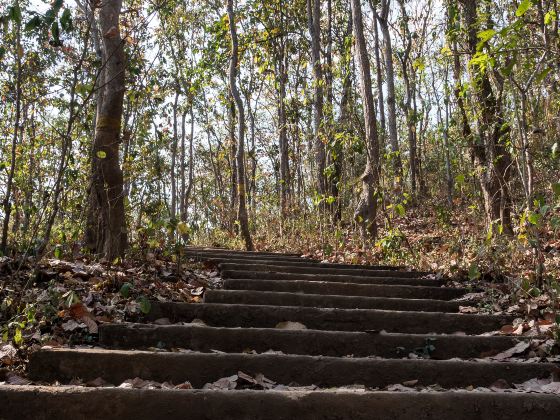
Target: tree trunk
[
  {"x": 367, "y": 207},
  {"x": 7, "y": 205},
  {"x": 240, "y": 156},
  {"x": 314, "y": 25},
  {"x": 379, "y": 71},
  {"x": 489, "y": 151},
  {"x": 344, "y": 119},
  {"x": 174, "y": 148},
  {"x": 391, "y": 98},
  {"x": 106, "y": 233}
]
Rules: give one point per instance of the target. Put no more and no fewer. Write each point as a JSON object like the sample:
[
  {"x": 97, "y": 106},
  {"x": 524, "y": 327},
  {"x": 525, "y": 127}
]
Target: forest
[
  {"x": 422, "y": 133},
  {"x": 202, "y": 201}
]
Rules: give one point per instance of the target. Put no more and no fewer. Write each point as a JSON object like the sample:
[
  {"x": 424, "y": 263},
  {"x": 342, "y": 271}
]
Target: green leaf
[
  {"x": 66, "y": 20},
  {"x": 542, "y": 75},
  {"x": 556, "y": 189},
  {"x": 101, "y": 154},
  {"x": 15, "y": 13},
  {"x": 33, "y": 24},
  {"x": 486, "y": 35},
  {"x": 125, "y": 290},
  {"x": 55, "y": 32},
  {"x": 18, "y": 338},
  {"x": 523, "y": 7},
  {"x": 550, "y": 17},
  {"x": 57, "y": 252},
  {"x": 474, "y": 273},
  {"x": 145, "y": 305},
  {"x": 534, "y": 218},
  {"x": 399, "y": 208}
]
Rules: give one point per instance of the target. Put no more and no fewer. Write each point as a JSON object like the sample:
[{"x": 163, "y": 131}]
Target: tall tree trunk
[
  {"x": 240, "y": 156},
  {"x": 344, "y": 118},
  {"x": 7, "y": 204},
  {"x": 491, "y": 156},
  {"x": 314, "y": 25},
  {"x": 174, "y": 148},
  {"x": 383, "y": 19},
  {"x": 283, "y": 131},
  {"x": 409, "y": 106},
  {"x": 106, "y": 233},
  {"x": 232, "y": 160},
  {"x": 367, "y": 207},
  {"x": 379, "y": 71}
]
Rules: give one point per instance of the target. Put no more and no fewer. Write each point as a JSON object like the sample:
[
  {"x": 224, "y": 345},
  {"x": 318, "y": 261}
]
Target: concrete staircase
[{"x": 363, "y": 323}]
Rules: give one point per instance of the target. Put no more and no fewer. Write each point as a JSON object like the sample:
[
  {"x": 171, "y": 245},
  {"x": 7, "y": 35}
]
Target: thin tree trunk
[
  {"x": 174, "y": 147},
  {"x": 391, "y": 95},
  {"x": 314, "y": 25},
  {"x": 367, "y": 207},
  {"x": 379, "y": 72},
  {"x": 7, "y": 205},
  {"x": 240, "y": 156}
]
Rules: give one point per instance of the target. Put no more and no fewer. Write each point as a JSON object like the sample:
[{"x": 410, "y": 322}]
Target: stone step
[
  {"x": 262, "y": 316},
  {"x": 352, "y": 289},
  {"x": 201, "y": 368},
  {"x": 252, "y": 297},
  {"x": 275, "y": 275},
  {"x": 220, "y": 257},
  {"x": 303, "y": 262},
  {"x": 225, "y": 251},
  {"x": 322, "y": 271},
  {"x": 33, "y": 402},
  {"x": 305, "y": 342}
]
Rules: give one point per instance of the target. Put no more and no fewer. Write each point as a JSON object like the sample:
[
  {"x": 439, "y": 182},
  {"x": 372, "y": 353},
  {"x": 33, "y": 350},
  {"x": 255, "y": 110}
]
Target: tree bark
[
  {"x": 489, "y": 149},
  {"x": 240, "y": 155},
  {"x": 7, "y": 204},
  {"x": 367, "y": 207},
  {"x": 282, "y": 67},
  {"x": 391, "y": 95},
  {"x": 314, "y": 25},
  {"x": 106, "y": 233}
]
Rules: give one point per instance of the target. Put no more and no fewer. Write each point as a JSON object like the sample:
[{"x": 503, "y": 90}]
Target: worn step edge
[
  {"x": 324, "y": 271},
  {"x": 200, "y": 368},
  {"x": 254, "y": 297},
  {"x": 41, "y": 403},
  {"x": 305, "y": 262},
  {"x": 222, "y": 257},
  {"x": 334, "y": 278},
  {"x": 229, "y": 315},
  {"x": 304, "y": 342},
  {"x": 353, "y": 289},
  {"x": 226, "y": 251}
]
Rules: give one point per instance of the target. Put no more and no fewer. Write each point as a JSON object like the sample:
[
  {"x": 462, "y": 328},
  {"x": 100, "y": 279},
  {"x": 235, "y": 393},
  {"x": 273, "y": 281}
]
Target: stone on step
[
  {"x": 30, "y": 402},
  {"x": 261, "y": 316},
  {"x": 334, "y": 278},
  {"x": 253, "y": 297},
  {"x": 352, "y": 289},
  {"x": 201, "y": 368},
  {"x": 305, "y": 342}
]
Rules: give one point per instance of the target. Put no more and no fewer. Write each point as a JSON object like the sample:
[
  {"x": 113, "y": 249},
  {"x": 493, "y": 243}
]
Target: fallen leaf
[
  {"x": 8, "y": 354},
  {"x": 517, "y": 349}
]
